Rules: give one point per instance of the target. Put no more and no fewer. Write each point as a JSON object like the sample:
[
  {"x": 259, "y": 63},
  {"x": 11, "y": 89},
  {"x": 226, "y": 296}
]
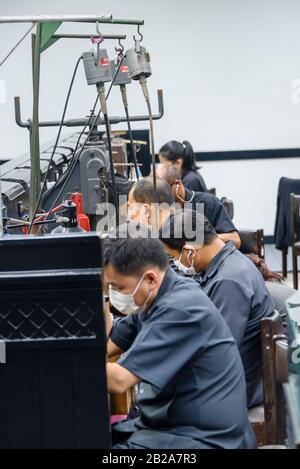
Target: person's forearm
[
  {"x": 119, "y": 379},
  {"x": 108, "y": 320},
  {"x": 112, "y": 348},
  {"x": 232, "y": 236}
]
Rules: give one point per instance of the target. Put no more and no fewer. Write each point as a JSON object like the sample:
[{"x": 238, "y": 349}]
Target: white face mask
[
  {"x": 125, "y": 302},
  {"x": 190, "y": 271}
]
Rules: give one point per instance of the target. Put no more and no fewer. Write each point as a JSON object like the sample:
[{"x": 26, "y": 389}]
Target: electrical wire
[
  {"x": 132, "y": 146},
  {"x": 113, "y": 179},
  {"x": 70, "y": 162},
  {"x": 76, "y": 157},
  {"x": 56, "y": 142},
  {"x": 143, "y": 83}
]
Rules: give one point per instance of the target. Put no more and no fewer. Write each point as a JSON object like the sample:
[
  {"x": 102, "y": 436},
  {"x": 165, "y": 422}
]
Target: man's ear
[
  {"x": 178, "y": 163},
  {"x": 147, "y": 208},
  {"x": 151, "y": 277},
  {"x": 190, "y": 251}
]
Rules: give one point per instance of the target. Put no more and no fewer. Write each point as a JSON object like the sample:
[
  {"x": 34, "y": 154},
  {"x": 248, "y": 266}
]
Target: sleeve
[
  {"x": 164, "y": 346},
  {"x": 124, "y": 331},
  {"x": 223, "y": 222},
  {"x": 233, "y": 300}
]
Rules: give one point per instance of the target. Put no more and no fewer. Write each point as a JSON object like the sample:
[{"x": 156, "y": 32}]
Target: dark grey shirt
[
  {"x": 193, "y": 387},
  {"x": 194, "y": 181},
  {"x": 214, "y": 210},
  {"x": 238, "y": 290}
]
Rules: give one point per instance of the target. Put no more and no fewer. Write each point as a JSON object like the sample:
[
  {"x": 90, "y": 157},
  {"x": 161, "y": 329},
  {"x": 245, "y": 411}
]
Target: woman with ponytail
[{"x": 182, "y": 156}]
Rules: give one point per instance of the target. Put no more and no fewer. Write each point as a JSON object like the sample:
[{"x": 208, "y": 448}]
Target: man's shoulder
[
  {"x": 186, "y": 297},
  {"x": 206, "y": 197},
  {"x": 238, "y": 270}
]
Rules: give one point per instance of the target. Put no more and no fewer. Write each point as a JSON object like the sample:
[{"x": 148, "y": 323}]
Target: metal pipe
[
  {"x": 83, "y": 122},
  {"x": 88, "y": 36},
  {"x": 35, "y": 175},
  {"x": 105, "y": 18}
]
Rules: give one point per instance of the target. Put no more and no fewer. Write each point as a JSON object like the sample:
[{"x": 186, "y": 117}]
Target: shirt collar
[
  {"x": 166, "y": 285},
  {"x": 189, "y": 195},
  {"x": 218, "y": 260}
]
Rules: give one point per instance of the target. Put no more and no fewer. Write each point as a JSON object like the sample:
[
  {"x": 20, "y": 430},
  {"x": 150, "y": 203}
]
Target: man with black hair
[
  {"x": 214, "y": 210},
  {"x": 230, "y": 280},
  {"x": 178, "y": 349},
  {"x": 141, "y": 201}
]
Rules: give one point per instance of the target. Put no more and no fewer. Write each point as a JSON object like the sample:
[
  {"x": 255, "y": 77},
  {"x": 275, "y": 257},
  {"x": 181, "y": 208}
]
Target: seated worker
[
  {"x": 213, "y": 208},
  {"x": 178, "y": 349},
  {"x": 231, "y": 281},
  {"x": 141, "y": 199},
  {"x": 182, "y": 156}
]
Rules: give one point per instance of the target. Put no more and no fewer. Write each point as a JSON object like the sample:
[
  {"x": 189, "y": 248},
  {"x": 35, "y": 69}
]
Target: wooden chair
[
  {"x": 295, "y": 218},
  {"x": 212, "y": 191},
  {"x": 252, "y": 242},
  {"x": 284, "y": 261},
  {"x": 229, "y": 207},
  {"x": 275, "y": 373}
]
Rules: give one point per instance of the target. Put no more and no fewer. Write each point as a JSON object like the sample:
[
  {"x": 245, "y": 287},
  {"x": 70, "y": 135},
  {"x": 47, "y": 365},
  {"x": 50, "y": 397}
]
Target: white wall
[
  {"x": 252, "y": 185},
  {"x": 226, "y": 67}
]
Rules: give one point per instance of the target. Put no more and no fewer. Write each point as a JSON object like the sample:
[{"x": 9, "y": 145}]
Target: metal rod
[
  {"x": 25, "y": 224},
  {"x": 105, "y": 18},
  {"x": 17, "y": 45},
  {"x": 82, "y": 122},
  {"x": 88, "y": 36},
  {"x": 35, "y": 175}
]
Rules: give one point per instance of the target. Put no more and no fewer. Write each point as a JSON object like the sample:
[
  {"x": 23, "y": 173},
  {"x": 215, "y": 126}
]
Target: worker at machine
[
  {"x": 213, "y": 208},
  {"x": 178, "y": 348},
  {"x": 141, "y": 204},
  {"x": 231, "y": 281},
  {"x": 182, "y": 156},
  {"x": 141, "y": 201}
]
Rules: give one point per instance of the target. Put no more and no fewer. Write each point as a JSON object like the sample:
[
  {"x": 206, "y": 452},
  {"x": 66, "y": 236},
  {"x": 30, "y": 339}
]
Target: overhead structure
[{"x": 89, "y": 152}]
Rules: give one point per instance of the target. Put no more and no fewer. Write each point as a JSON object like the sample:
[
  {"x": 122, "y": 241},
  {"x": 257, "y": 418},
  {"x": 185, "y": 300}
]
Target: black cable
[
  {"x": 56, "y": 143},
  {"x": 143, "y": 83},
  {"x": 76, "y": 157},
  {"x": 113, "y": 179},
  {"x": 132, "y": 146}
]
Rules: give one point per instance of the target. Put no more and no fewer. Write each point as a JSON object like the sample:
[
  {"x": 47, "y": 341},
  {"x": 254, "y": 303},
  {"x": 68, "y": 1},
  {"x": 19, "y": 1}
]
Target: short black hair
[
  {"x": 132, "y": 256},
  {"x": 187, "y": 223},
  {"x": 143, "y": 191}
]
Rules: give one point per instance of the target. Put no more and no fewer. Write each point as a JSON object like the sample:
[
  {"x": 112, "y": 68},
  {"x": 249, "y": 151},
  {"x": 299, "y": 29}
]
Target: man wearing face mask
[
  {"x": 230, "y": 280},
  {"x": 178, "y": 349},
  {"x": 214, "y": 210}
]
